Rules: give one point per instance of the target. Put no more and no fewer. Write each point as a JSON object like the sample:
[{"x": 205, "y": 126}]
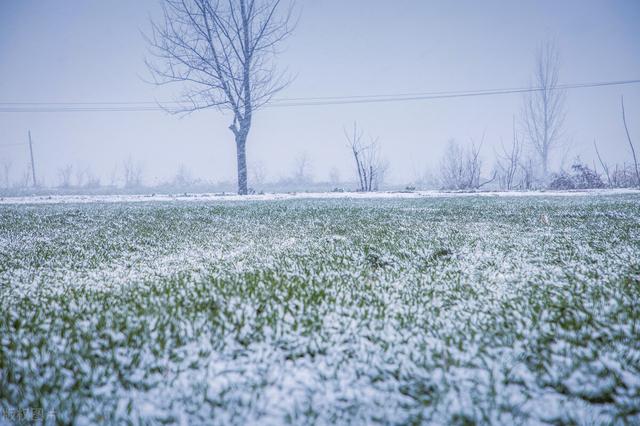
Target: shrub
[
  {"x": 581, "y": 177},
  {"x": 585, "y": 178},
  {"x": 562, "y": 181}
]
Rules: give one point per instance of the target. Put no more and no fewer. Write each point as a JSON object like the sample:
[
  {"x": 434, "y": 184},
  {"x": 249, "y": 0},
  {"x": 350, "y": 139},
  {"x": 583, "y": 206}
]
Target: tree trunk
[
  {"x": 545, "y": 164},
  {"x": 241, "y": 155}
]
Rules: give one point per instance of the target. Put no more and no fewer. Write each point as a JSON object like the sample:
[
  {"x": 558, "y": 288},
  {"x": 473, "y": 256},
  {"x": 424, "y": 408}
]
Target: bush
[
  {"x": 562, "y": 181},
  {"x": 585, "y": 178},
  {"x": 623, "y": 177},
  {"x": 581, "y": 177}
]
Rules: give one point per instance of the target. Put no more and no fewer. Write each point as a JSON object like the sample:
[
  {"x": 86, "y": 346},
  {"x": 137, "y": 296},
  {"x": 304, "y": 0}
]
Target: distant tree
[
  {"x": 370, "y": 167},
  {"x": 6, "y": 172},
  {"x": 605, "y": 166},
  {"x": 544, "y": 107},
  {"x": 460, "y": 168},
  {"x": 334, "y": 176},
  {"x": 183, "y": 177},
  {"x": 426, "y": 179},
  {"x": 452, "y": 167},
  {"x": 258, "y": 173},
  {"x": 113, "y": 176},
  {"x": 223, "y": 52},
  {"x": 623, "y": 176},
  {"x": 508, "y": 162},
  {"x": 302, "y": 169},
  {"x": 132, "y": 173},
  {"x": 527, "y": 174},
  {"x": 26, "y": 178},
  {"x": 81, "y": 174},
  {"x": 633, "y": 151},
  {"x": 92, "y": 180},
  {"x": 473, "y": 164},
  {"x": 64, "y": 176}
]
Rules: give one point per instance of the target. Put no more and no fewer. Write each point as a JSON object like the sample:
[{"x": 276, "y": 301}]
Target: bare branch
[
  {"x": 602, "y": 163},
  {"x": 222, "y": 52},
  {"x": 508, "y": 161},
  {"x": 369, "y": 166},
  {"x": 544, "y": 109},
  {"x": 633, "y": 151}
]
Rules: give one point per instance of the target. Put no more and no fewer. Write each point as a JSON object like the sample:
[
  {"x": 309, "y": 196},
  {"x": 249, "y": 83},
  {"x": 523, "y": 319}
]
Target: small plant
[{"x": 581, "y": 177}]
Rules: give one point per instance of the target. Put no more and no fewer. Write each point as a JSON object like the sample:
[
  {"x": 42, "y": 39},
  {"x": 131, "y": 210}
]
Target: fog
[
  {"x": 91, "y": 51},
  {"x": 319, "y": 212}
]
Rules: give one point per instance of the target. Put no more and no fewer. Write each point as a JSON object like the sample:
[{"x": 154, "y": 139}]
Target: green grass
[{"x": 473, "y": 310}]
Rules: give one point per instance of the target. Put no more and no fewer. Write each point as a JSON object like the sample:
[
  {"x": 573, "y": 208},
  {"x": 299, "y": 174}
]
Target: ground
[{"x": 392, "y": 310}]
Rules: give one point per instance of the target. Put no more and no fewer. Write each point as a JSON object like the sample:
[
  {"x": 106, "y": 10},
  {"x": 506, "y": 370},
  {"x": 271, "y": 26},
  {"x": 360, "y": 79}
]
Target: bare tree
[
  {"x": 544, "y": 107},
  {"x": 473, "y": 165},
  {"x": 426, "y": 179},
  {"x": 81, "y": 174},
  {"x": 182, "y": 178},
  {"x": 223, "y": 52},
  {"x": 6, "y": 172},
  {"x": 92, "y": 180},
  {"x": 633, "y": 151},
  {"x": 527, "y": 171},
  {"x": 452, "y": 168},
  {"x": 113, "y": 176},
  {"x": 26, "y": 178},
  {"x": 604, "y": 165},
  {"x": 623, "y": 176},
  {"x": 508, "y": 162},
  {"x": 258, "y": 173},
  {"x": 369, "y": 166},
  {"x": 302, "y": 169},
  {"x": 460, "y": 168},
  {"x": 132, "y": 173},
  {"x": 64, "y": 174},
  {"x": 334, "y": 177}
]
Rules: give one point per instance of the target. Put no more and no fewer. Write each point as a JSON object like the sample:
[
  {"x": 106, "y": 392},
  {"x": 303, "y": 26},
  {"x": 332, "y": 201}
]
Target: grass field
[{"x": 474, "y": 310}]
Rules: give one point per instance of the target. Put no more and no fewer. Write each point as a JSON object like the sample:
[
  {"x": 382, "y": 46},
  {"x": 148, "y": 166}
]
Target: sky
[{"x": 93, "y": 51}]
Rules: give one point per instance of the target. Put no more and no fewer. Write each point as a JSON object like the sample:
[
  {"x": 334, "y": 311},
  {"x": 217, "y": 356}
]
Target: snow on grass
[
  {"x": 395, "y": 310},
  {"x": 56, "y": 199}
]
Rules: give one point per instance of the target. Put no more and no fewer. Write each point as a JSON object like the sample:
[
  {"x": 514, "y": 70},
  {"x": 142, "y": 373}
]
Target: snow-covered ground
[
  {"x": 51, "y": 199},
  {"x": 326, "y": 309}
]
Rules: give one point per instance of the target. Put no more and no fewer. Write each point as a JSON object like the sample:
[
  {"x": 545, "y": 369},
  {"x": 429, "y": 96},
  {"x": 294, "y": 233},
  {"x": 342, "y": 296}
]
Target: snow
[
  {"x": 337, "y": 311},
  {"x": 56, "y": 199}
]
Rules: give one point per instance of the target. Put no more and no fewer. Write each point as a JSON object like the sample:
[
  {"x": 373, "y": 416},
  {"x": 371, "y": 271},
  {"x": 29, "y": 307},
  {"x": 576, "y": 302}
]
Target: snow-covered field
[
  {"x": 57, "y": 199},
  {"x": 400, "y": 309}
]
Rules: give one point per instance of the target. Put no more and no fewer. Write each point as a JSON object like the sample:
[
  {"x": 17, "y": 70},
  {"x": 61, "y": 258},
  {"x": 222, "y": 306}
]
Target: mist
[
  {"x": 93, "y": 53},
  {"x": 301, "y": 212}
]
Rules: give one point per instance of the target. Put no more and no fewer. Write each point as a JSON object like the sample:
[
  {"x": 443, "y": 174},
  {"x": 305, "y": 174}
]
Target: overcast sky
[{"x": 92, "y": 51}]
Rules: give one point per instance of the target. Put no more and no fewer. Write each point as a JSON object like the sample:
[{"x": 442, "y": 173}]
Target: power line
[
  {"x": 128, "y": 106},
  {"x": 449, "y": 95},
  {"x": 156, "y": 104},
  {"x": 438, "y": 94}
]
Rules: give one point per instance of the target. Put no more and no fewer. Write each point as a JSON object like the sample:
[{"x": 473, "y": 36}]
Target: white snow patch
[{"x": 70, "y": 199}]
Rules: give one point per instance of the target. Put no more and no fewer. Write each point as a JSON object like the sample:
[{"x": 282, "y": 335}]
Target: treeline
[
  {"x": 525, "y": 163},
  {"x": 538, "y": 135}
]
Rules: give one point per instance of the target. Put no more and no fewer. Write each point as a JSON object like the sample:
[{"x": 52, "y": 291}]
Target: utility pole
[{"x": 33, "y": 167}]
